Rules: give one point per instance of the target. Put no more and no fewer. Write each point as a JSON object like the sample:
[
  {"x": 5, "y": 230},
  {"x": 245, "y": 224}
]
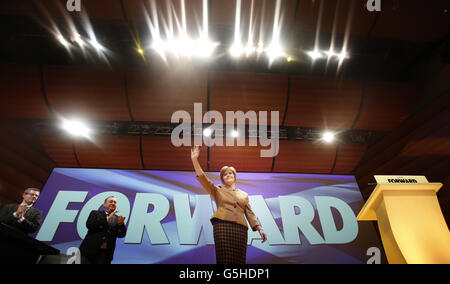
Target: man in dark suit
[
  {"x": 104, "y": 227},
  {"x": 23, "y": 216}
]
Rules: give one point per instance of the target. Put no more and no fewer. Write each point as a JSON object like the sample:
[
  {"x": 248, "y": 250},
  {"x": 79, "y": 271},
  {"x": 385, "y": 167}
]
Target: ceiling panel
[
  {"x": 19, "y": 162},
  {"x": 348, "y": 157},
  {"x": 8, "y": 200},
  {"x": 242, "y": 158},
  {"x": 305, "y": 157},
  {"x": 22, "y": 143},
  {"x": 109, "y": 152},
  {"x": 139, "y": 10},
  {"x": 91, "y": 93},
  {"x": 18, "y": 177},
  {"x": 155, "y": 94},
  {"x": 339, "y": 15},
  {"x": 234, "y": 91},
  {"x": 103, "y": 9},
  {"x": 20, "y": 89},
  {"x": 323, "y": 102},
  {"x": 160, "y": 154},
  {"x": 10, "y": 193},
  {"x": 413, "y": 20},
  {"x": 262, "y": 13},
  {"x": 57, "y": 9},
  {"x": 386, "y": 105},
  {"x": 60, "y": 149},
  {"x": 17, "y": 8}
]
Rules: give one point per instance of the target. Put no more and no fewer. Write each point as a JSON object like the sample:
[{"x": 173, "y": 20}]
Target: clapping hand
[
  {"x": 120, "y": 220},
  {"x": 21, "y": 211},
  {"x": 110, "y": 216}
]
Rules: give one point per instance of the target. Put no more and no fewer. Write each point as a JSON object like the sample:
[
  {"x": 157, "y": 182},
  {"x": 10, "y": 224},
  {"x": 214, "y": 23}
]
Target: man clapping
[{"x": 104, "y": 227}]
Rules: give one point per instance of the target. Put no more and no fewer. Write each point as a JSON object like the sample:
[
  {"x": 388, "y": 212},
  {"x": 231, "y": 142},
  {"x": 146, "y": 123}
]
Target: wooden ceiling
[
  {"x": 416, "y": 123},
  {"x": 401, "y": 19}
]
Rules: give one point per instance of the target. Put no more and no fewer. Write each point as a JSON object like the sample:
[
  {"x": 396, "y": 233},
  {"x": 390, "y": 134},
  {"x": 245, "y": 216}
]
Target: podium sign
[
  {"x": 400, "y": 179},
  {"x": 410, "y": 220}
]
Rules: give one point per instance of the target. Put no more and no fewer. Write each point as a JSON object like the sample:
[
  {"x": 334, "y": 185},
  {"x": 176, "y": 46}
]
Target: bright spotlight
[
  {"x": 236, "y": 50},
  {"x": 330, "y": 53},
  {"x": 249, "y": 49},
  {"x": 62, "y": 40},
  {"x": 234, "y": 133},
  {"x": 76, "y": 128},
  {"x": 96, "y": 45},
  {"x": 140, "y": 51},
  {"x": 207, "y": 132},
  {"x": 314, "y": 54},
  {"x": 159, "y": 47},
  {"x": 260, "y": 48},
  {"x": 77, "y": 38},
  {"x": 328, "y": 137},
  {"x": 186, "y": 46},
  {"x": 205, "y": 47},
  {"x": 342, "y": 56},
  {"x": 274, "y": 51}
]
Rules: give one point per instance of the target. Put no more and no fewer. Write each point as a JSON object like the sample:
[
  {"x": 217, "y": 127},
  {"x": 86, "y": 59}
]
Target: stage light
[
  {"x": 204, "y": 47},
  {"x": 342, "y": 56},
  {"x": 159, "y": 46},
  {"x": 140, "y": 51},
  {"x": 328, "y": 137},
  {"x": 62, "y": 40},
  {"x": 236, "y": 50},
  {"x": 96, "y": 45},
  {"x": 260, "y": 48},
  {"x": 289, "y": 59},
  {"x": 249, "y": 49},
  {"x": 314, "y": 54},
  {"x": 207, "y": 132},
  {"x": 77, "y": 38},
  {"x": 234, "y": 133},
  {"x": 274, "y": 51},
  {"x": 76, "y": 128},
  {"x": 330, "y": 53}
]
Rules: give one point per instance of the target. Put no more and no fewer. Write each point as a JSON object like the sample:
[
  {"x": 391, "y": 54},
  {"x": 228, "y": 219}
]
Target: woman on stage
[{"x": 230, "y": 227}]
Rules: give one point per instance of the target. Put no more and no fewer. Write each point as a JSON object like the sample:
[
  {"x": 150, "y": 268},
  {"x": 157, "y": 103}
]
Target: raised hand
[{"x": 195, "y": 152}]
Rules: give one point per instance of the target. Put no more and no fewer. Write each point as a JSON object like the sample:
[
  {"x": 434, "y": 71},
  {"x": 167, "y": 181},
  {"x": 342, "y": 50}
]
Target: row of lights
[
  {"x": 204, "y": 48},
  {"x": 78, "y": 128},
  {"x": 327, "y": 136},
  {"x": 81, "y": 42}
]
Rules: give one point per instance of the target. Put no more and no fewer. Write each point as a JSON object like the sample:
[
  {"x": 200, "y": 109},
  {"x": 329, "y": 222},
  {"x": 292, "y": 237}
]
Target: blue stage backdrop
[{"x": 307, "y": 218}]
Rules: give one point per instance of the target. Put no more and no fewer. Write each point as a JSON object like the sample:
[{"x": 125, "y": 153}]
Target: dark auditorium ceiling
[{"x": 389, "y": 101}]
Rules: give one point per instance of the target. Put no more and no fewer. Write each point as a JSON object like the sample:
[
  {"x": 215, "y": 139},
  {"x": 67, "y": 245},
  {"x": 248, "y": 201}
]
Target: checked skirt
[{"x": 231, "y": 242}]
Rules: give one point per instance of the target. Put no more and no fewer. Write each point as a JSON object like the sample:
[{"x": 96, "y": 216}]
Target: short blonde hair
[{"x": 224, "y": 169}]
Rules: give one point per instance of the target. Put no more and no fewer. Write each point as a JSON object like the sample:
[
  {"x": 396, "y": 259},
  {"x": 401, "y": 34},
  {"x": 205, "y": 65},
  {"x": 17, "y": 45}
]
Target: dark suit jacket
[
  {"x": 32, "y": 217},
  {"x": 99, "y": 231}
]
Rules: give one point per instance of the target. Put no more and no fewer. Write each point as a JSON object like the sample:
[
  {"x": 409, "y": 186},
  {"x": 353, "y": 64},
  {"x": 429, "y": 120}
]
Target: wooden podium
[{"x": 410, "y": 220}]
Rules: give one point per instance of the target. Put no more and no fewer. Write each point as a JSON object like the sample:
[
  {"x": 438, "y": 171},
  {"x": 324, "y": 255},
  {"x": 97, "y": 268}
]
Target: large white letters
[
  {"x": 140, "y": 219},
  {"x": 189, "y": 227},
  {"x": 58, "y": 213},
  {"x": 297, "y": 213}
]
